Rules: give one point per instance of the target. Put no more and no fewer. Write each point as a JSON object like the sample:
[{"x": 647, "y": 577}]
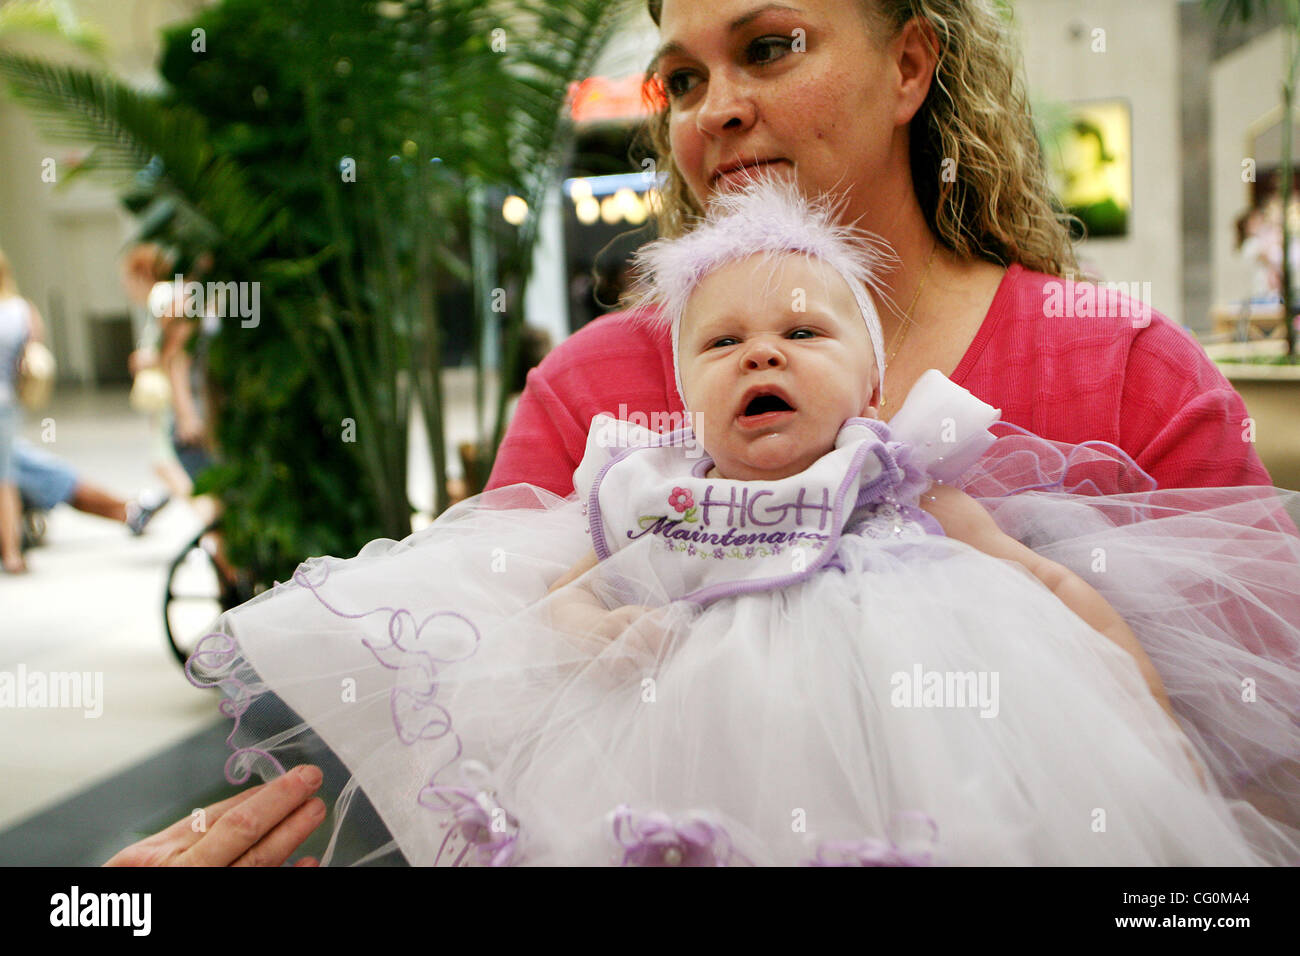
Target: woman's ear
[{"x": 916, "y": 53}]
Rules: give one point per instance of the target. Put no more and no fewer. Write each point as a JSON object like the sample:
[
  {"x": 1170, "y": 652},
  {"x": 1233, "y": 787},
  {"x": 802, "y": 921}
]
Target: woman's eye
[
  {"x": 679, "y": 83},
  {"x": 769, "y": 49}
]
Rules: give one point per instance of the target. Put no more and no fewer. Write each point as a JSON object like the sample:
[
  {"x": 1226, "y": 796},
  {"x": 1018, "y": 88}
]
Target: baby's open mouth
[{"x": 767, "y": 403}]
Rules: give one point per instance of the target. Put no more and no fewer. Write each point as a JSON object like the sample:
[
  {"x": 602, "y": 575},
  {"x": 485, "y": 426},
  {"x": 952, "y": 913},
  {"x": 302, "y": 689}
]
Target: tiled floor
[{"x": 73, "y": 787}]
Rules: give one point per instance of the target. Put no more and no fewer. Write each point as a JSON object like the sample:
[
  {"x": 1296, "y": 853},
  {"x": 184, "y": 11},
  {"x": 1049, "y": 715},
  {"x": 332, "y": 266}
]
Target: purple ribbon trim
[
  {"x": 238, "y": 768},
  {"x": 415, "y": 712},
  {"x": 1143, "y": 481},
  {"x": 873, "y": 851}
]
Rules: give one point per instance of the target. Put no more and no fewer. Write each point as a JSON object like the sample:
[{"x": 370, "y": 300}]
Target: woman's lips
[{"x": 745, "y": 174}]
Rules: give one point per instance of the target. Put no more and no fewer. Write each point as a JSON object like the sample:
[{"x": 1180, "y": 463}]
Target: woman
[
  {"x": 143, "y": 267},
  {"x": 19, "y": 324},
  {"x": 937, "y": 154},
  {"x": 914, "y": 109}
]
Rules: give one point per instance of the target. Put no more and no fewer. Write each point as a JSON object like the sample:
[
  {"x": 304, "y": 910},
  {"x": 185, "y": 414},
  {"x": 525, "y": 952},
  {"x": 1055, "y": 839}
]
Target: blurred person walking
[
  {"x": 46, "y": 481},
  {"x": 145, "y": 268},
  {"x": 20, "y": 323}
]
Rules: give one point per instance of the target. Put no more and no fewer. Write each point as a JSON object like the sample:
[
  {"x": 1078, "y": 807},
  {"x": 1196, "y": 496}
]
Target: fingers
[
  {"x": 182, "y": 834},
  {"x": 243, "y": 824},
  {"x": 646, "y": 633},
  {"x": 613, "y": 624},
  {"x": 165, "y": 847},
  {"x": 280, "y": 843},
  {"x": 637, "y": 638}
]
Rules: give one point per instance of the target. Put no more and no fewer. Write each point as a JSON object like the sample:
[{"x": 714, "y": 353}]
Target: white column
[{"x": 546, "y": 302}]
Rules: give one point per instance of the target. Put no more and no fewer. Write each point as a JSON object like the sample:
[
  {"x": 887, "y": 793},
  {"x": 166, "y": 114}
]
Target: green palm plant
[
  {"x": 338, "y": 154},
  {"x": 1245, "y": 11}
]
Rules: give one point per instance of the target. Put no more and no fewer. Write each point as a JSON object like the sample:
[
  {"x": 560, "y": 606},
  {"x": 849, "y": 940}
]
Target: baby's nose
[{"x": 764, "y": 354}]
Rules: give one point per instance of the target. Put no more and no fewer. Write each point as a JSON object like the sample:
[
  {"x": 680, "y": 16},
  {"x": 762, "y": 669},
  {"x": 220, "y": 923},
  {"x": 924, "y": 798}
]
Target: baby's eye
[
  {"x": 769, "y": 49},
  {"x": 803, "y": 332},
  {"x": 680, "y": 82},
  {"x": 725, "y": 340}
]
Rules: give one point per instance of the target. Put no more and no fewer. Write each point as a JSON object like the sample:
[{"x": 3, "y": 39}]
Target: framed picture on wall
[{"x": 1090, "y": 163}]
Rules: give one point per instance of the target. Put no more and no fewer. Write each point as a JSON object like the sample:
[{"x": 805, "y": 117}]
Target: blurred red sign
[{"x": 602, "y": 98}]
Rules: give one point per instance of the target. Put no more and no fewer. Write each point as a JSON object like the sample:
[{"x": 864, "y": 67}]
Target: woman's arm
[
  {"x": 1180, "y": 418},
  {"x": 175, "y": 361},
  {"x": 611, "y": 365},
  {"x": 965, "y": 519},
  {"x": 37, "y": 331}
]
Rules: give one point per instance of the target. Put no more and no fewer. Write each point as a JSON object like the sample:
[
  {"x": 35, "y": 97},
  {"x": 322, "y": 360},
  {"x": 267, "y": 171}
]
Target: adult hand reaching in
[{"x": 260, "y": 827}]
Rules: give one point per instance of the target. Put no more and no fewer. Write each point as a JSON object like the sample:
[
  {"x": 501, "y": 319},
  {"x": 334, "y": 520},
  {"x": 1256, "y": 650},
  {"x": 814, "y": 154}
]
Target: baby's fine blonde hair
[{"x": 992, "y": 201}]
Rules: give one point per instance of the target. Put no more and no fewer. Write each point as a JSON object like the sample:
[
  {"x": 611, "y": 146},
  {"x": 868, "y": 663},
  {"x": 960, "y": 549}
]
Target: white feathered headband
[{"x": 768, "y": 217}]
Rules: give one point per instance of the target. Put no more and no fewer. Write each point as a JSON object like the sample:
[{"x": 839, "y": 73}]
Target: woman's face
[
  {"x": 795, "y": 87},
  {"x": 774, "y": 357}
]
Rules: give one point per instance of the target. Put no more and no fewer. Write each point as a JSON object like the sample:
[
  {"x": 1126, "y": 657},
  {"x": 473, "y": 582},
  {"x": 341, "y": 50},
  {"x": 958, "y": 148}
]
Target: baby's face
[{"x": 774, "y": 357}]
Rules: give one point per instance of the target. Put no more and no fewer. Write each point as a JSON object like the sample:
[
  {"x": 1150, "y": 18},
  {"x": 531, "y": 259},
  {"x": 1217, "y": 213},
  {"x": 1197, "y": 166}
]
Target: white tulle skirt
[{"x": 925, "y": 704}]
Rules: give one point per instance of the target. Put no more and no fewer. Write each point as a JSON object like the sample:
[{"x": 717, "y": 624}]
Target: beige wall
[
  {"x": 65, "y": 239},
  {"x": 1140, "y": 64}
]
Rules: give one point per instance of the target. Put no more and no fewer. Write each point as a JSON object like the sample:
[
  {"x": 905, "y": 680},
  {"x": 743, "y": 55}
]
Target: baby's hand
[
  {"x": 621, "y": 619},
  {"x": 640, "y": 636}
]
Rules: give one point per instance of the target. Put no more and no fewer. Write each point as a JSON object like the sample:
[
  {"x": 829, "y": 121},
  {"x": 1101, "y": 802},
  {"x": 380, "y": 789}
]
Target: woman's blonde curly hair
[{"x": 995, "y": 203}]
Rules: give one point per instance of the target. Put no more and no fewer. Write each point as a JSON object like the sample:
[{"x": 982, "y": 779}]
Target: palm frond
[
  {"x": 127, "y": 129},
  {"x": 569, "y": 37},
  {"x": 1228, "y": 12}
]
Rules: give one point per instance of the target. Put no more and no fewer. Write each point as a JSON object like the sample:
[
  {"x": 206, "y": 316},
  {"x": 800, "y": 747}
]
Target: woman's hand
[
  {"x": 189, "y": 429},
  {"x": 260, "y": 827},
  {"x": 141, "y": 359}
]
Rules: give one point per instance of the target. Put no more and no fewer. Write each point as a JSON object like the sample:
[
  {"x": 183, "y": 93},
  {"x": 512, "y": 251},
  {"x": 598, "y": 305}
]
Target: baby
[{"x": 776, "y": 345}]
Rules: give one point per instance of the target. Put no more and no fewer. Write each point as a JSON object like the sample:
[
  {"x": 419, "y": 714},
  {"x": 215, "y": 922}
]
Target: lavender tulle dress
[{"x": 823, "y": 676}]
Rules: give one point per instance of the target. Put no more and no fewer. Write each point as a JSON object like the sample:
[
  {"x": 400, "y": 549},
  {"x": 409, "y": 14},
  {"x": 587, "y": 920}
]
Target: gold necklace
[{"x": 907, "y": 319}]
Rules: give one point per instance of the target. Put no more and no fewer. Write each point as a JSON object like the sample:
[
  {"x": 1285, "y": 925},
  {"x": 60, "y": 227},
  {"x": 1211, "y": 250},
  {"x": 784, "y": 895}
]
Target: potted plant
[{"x": 339, "y": 154}]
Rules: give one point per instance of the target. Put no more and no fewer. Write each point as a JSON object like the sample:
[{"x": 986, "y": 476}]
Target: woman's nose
[{"x": 726, "y": 108}]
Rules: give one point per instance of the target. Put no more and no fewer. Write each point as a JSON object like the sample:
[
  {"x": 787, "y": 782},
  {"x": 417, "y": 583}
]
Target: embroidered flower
[
  {"x": 776, "y": 549},
  {"x": 749, "y": 552},
  {"x": 690, "y": 549},
  {"x": 681, "y": 499},
  {"x": 718, "y": 553},
  {"x": 655, "y": 839}
]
